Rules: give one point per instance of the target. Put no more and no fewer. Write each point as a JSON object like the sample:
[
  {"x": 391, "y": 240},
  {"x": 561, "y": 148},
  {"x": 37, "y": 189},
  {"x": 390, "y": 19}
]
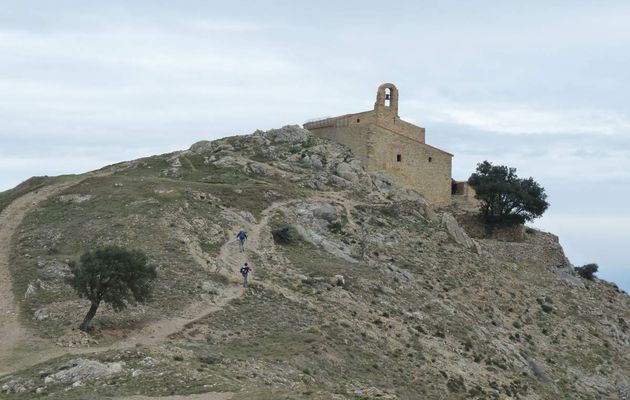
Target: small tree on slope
[
  {"x": 506, "y": 198},
  {"x": 114, "y": 275},
  {"x": 587, "y": 271}
]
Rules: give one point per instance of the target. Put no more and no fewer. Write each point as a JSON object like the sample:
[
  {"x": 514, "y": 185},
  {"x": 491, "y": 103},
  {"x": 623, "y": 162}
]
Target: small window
[
  {"x": 399, "y": 157},
  {"x": 358, "y": 120},
  {"x": 430, "y": 159}
]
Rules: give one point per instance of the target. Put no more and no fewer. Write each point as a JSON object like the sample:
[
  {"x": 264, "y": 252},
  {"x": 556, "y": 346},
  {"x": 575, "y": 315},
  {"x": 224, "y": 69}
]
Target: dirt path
[
  {"x": 230, "y": 259},
  {"x": 20, "y": 349},
  {"x": 12, "y": 334}
]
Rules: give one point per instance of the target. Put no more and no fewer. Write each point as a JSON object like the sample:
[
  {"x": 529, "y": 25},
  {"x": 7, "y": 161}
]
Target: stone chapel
[{"x": 387, "y": 144}]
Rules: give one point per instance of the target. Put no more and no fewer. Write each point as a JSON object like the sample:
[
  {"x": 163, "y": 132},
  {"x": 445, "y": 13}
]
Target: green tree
[
  {"x": 587, "y": 271},
  {"x": 114, "y": 275},
  {"x": 506, "y": 198}
]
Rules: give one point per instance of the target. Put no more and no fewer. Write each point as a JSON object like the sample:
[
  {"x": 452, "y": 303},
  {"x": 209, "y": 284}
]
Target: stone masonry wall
[
  {"x": 355, "y": 136},
  {"x": 378, "y": 143},
  {"x": 421, "y": 167},
  {"x": 403, "y": 128}
]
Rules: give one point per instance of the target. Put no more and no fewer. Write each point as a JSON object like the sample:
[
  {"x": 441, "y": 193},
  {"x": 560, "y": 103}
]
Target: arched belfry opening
[{"x": 387, "y": 98}]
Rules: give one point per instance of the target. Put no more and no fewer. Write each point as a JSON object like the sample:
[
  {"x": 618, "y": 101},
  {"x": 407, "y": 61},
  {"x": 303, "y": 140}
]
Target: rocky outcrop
[
  {"x": 81, "y": 370},
  {"x": 336, "y": 249},
  {"x": 286, "y": 134},
  {"x": 30, "y": 290},
  {"x": 394, "y": 192},
  {"x": 457, "y": 233},
  {"x": 325, "y": 211},
  {"x": 18, "y": 386},
  {"x": 74, "y": 198},
  {"x": 567, "y": 274}
]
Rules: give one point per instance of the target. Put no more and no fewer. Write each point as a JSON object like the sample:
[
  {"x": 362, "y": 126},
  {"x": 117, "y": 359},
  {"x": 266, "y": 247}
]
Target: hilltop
[{"x": 360, "y": 290}]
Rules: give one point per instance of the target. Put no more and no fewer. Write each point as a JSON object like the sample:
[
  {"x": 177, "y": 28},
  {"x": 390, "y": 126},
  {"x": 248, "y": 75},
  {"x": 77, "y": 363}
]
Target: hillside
[{"x": 360, "y": 289}]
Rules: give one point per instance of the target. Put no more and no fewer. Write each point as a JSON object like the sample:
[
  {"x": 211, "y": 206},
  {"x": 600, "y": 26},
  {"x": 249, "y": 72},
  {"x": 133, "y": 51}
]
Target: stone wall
[
  {"x": 464, "y": 196},
  {"x": 421, "y": 167},
  {"x": 476, "y": 228},
  {"x": 355, "y": 136},
  {"x": 380, "y": 146},
  {"x": 402, "y": 128}
]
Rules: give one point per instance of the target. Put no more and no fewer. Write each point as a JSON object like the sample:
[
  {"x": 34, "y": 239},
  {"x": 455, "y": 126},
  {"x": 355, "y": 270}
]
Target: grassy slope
[
  {"x": 419, "y": 317},
  {"x": 139, "y": 208},
  {"x": 23, "y": 188}
]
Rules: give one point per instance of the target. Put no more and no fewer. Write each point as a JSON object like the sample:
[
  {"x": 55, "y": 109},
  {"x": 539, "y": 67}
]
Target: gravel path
[{"x": 12, "y": 333}]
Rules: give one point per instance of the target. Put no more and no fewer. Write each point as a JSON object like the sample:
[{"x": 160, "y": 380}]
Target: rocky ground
[{"x": 360, "y": 289}]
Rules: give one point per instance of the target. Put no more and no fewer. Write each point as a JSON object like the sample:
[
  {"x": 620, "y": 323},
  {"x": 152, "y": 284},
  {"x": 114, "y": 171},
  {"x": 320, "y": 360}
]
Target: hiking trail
[{"x": 13, "y": 335}]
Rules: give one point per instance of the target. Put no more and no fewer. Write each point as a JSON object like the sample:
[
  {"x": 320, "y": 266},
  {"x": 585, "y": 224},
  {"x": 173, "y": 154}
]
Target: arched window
[{"x": 388, "y": 97}]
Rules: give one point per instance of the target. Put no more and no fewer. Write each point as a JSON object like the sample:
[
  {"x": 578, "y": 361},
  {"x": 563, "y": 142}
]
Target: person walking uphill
[
  {"x": 245, "y": 270},
  {"x": 242, "y": 237}
]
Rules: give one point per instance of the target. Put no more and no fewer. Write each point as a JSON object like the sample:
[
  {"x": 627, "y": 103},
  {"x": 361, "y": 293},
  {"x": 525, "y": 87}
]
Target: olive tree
[
  {"x": 587, "y": 271},
  {"x": 506, "y": 198},
  {"x": 113, "y": 275}
]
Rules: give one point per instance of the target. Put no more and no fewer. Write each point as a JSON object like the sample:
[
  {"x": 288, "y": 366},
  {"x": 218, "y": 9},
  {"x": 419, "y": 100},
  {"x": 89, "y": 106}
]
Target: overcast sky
[{"x": 542, "y": 86}]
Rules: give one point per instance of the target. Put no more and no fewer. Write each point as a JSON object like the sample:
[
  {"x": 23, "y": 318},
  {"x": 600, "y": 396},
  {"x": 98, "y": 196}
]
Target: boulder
[
  {"x": 40, "y": 315},
  {"x": 337, "y": 280},
  {"x": 336, "y": 249},
  {"x": 567, "y": 274},
  {"x": 306, "y": 161},
  {"x": 222, "y": 145},
  {"x": 430, "y": 215},
  {"x": 18, "y": 386},
  {"x": 30, "y": 290},
  {"x": 287, "y": 134},
  {"x": 202, "y": 146},
  {"x": 208, "y": 287},
  {"x": 385, "y": 290},
  {"x": 373, "y": 392},
  {"x": 75, "y": 339},
  {"x": 175, "y": 166},
  {"x": 341, "y": 182},
  {"x": 81, "y": 370},
  {"x": 440, "y": 237},
  {"x": 324, "y": 211},
  {"x": 56, "y": 270},
  {"x": 457, "y": 233},
  {"x": 74, "y": 198},
  {"x": 284, "y": 167},
  {"x": 316, "y": 162},
  {"x": 226, "y": 162},
  {"x": 347, "y": 172},
  {"x": 395, "y": 192},
  {"x": 247, "y": 216}
]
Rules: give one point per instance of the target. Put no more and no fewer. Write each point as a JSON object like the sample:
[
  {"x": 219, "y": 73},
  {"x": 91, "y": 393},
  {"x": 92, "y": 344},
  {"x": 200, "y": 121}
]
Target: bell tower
[{"x": 387, "y": 100}]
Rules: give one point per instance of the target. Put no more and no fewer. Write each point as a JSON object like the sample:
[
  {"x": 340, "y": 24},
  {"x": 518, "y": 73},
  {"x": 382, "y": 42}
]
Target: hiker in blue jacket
[{"x": 242, "y": 237}]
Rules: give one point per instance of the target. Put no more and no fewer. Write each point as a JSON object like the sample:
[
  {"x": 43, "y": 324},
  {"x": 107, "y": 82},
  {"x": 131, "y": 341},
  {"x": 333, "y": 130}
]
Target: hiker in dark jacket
[
  {"x": 245, "y": 270},
  {"x": 242, "y": 237}
]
